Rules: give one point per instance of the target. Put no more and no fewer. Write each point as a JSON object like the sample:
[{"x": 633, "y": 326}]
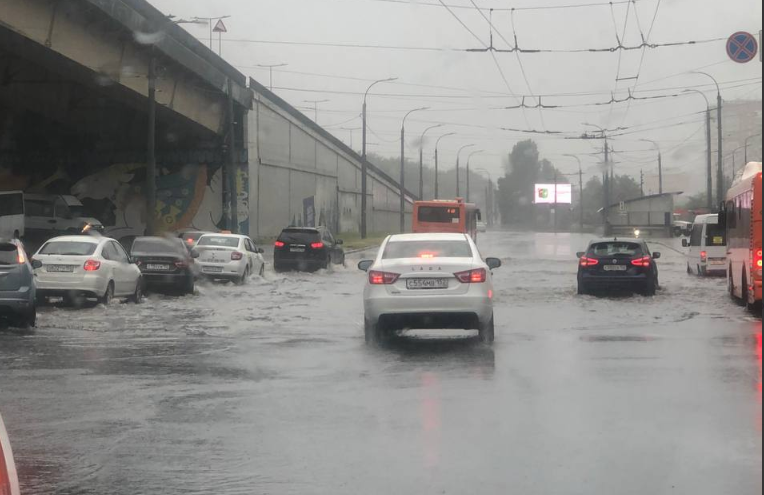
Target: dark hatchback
[
  {"x": 307, "y": 249},
  {"x": 17, "y": 286},
  {"x": 618, "y": 265},
  {"x": 166, "y": 264}
]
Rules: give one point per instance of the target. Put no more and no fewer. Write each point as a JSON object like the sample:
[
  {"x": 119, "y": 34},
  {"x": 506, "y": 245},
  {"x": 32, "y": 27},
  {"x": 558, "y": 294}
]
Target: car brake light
[
  {"x": 92, "y": 265},
  {"x": 478, "y": 276},
  {"x": 703, "y": 256},
  {"x": 237, "y": 256},
  {"x": 22, "y": 258},
  {"x": 190, "y": 241},
  {"x": 586, "y": 262},
  {"x": 643, "y": 262},
  {"x": 317, "y": 245},
  {"x": 383, "y": 278},
  {"x": 758, "y": 258},
  {"x": 280, "y": 244}
]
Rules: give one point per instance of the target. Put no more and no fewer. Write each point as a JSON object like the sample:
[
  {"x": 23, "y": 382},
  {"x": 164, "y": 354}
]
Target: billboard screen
[{"x": 545, "y": 194}]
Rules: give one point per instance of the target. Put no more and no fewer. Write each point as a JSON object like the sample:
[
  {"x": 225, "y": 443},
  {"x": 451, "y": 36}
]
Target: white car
[
  {"x": 428, "y": 281},
  {"x": 82, "y": 266},
  {"x": 229, "y": 257}
]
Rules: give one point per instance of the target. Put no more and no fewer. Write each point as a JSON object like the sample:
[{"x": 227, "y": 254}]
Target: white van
[
  {"x": 51, "y": 215},
  {"x": 12, "y": 215},
  {"x": 708, "y": 247}
]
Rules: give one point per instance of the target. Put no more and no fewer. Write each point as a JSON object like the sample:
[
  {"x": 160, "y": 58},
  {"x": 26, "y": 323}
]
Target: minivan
[
  {"x": 12, "y": 215},
  {"x": 707, "y": 247},
  {"x": 51, "y": 215}
]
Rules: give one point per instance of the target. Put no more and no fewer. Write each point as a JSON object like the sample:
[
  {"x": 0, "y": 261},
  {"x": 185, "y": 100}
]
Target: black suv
[
  {"x": 307, "y": 249},
  {"x": 618, "y": 264}
]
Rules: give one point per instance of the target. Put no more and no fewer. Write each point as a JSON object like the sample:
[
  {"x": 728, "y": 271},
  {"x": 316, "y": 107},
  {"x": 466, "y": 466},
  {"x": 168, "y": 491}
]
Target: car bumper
[
  {"x": 615, "y": 283},
  {"x": 380, "y": 304},
  {"x": 223, "y": 271},
  {"x": 165, "y": 279},
  {"x": 16, "y": 302},
  {"x": 84, "y": 284}
]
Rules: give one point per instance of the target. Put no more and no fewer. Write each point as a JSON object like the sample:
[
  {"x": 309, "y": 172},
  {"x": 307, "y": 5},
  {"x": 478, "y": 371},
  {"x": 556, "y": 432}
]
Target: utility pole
[
  {"x": 458, "y": 181},
  {"x": 709, "y": 151},
  {"x": 555, "y": 201},
  {"x": 437, "y": 164},
  {"x": 403, "y": 168},
  {"x": 421, "y": 160},
  {"x": 270, "y": 72},
  {"x": 315, "y": 107},
  {"x": 233, "y": 218},
  {"x": 720, "y": 193},
  {"x": 469, "y": 159},
  {"x": 151, "y": 163},
  {"x": 608, "y": 185},
  {"x": 642, "y": 182}
]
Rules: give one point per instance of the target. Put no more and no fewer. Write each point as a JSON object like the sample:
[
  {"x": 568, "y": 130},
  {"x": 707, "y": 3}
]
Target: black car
[
  {"x": 307, "y": 249},
  {"x": 166, "y": 264},
  {"x": 618, "y": 264}
]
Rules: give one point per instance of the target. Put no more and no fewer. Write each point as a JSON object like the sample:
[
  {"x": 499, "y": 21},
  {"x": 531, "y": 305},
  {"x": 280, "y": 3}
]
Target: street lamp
[
  {"x": 660, "y": 163},
  {"x": 403, "y": 166},
  {"x": 437, "y": 170},
  {"x": 720, "y": 147},
  {"x": 458, "y": 153},
  {"x": 421, "y": 159},
  {"x": 315, "y": 107},
  {"x": 468, "y": 171},
  {"x": 270, "y": 71},
  {"x": 364, "y": 167},
  {"x": 489, "y": 195},
  {"x": 580, "y": 184},
  {"x": 606, "y": 183},
  {"x": 709, "y": 151},
  {"x": 746, "y": 145}
]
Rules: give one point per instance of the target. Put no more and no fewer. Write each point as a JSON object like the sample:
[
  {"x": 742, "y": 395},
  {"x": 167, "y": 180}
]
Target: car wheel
[
  {"x": 138, "y": 295},
  {"x": 731, "y": 285},
  {"x": 190, "y": 288},
  {"x": 746, "y": 302},
  {"x": 582, "y": 289},
  {"x": 652, "y": 287},
  {"x": 108, "y": 295},
  {"x": 262, "y": 271},
  {"x": 487, "y": 331},
  {"x": 689, "y": 269},
  {"x": 244, "y": 278},
  {"x": 28, "y": 320}
]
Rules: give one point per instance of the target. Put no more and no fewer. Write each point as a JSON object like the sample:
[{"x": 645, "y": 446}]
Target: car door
[
  {"x": 696, "y": 241},
  {"x": 331, "y": 245},
  {"x": 131, "y": 272},
  {"x": 123, "y": 283},
  {"x": 257, "y": 259},
  {"x": 109, "y": 265}
]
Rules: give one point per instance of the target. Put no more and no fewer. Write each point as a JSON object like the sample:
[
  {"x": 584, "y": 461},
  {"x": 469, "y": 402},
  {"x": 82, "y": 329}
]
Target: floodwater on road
[{"x": 270, "y": 389}]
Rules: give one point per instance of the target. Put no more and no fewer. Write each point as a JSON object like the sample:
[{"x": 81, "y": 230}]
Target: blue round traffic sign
[{"x": 742, "y": 47}]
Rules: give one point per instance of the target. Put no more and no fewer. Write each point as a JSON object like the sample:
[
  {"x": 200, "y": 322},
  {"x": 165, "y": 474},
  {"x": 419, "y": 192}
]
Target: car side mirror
[
  {"x": 339, "y": 242},
  {"x": 36, "y": 264},
  {"x": 656, "y": 256},
  {"x": 580, "y": 255},
  {"x": 493, "y": 263},
  {"x": 365, "y": 265},
  {"x": 685, "y": 243},
  {"x": 195, "y": 254},
  {"x": 260, "y": 251}
]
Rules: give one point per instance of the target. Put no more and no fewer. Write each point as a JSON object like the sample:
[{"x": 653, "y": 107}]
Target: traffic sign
[
  {"x": 742, "y": 47},
  {"x": 220, "y": 27}
]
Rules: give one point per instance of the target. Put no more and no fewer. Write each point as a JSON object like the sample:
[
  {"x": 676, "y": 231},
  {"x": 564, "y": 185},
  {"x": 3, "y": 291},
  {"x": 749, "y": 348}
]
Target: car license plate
[
  {"x": 296, "y": 250},
  {"x": 426, "y": 283},
  {"x": 59, "y": 269},
  {"x": 717, "y": 262},
  {"x": 158, "y": 268},
  {"x": 616, "y": 268},
  {"x": 213, "y": 269}
]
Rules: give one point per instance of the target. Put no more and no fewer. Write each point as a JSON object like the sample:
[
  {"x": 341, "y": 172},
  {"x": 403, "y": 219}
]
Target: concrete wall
[{"x": 294, "y": 164}]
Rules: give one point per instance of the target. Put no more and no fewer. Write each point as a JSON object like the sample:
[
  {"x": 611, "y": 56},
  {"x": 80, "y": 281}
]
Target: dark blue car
[{"x": 17, "y": 285}]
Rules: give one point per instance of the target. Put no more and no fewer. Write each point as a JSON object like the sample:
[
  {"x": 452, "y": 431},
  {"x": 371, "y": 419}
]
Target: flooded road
[{"x": 270, "y": 389}]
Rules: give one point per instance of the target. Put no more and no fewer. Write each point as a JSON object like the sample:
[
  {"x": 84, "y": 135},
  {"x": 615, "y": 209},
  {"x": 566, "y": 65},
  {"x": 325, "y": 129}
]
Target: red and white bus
[
  {"x": 742, "y": 214},
  {"x": 9, "y": 482},
  {"x": 446, "y": 216}
]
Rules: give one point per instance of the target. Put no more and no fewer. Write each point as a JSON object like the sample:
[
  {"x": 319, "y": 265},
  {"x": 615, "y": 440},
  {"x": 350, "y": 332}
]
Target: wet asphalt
[{"x": 270, "y": 389}]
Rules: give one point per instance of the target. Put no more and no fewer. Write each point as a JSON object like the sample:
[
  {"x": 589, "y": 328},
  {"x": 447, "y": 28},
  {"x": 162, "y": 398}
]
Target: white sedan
[
  {"x": 76, "y": 267},
  {"x": 229, "y": 257},
  {"x": 428, "y": 281}
]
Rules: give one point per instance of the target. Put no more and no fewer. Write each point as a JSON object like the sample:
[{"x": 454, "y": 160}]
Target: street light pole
[
  {"x": 403, "y": 168},
  {"x": 709, "y": 152},
  {"x": 581, "y": 186},
  {"x": 421, "y": 160},
  {"x": 458, "y": 182},
  {"x": 437, "y": 170},
  {"x": 315, "y": 107},
  {"x": 151, "y": 163},
  {"x": 469, "y": 158},
  {"x": 364, "y": 166},
  {"x": 720, "y": 147}
]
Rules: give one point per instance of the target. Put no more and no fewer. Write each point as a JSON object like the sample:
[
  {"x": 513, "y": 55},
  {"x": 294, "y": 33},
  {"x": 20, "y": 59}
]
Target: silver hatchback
[{"x": 17, "y": 285}]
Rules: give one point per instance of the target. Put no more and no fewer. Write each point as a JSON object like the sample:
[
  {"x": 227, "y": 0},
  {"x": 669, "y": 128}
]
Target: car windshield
[
  {"x": 427, "y": 249},
  {"x": 9, "y": 254},
  {"x": 69, "y": 248},
  {"x": 219, "y": 241},
  {"x": 605, "y": 249},
  {"x": 156, "y": 246},
  {"x": 299, "y": 236}
]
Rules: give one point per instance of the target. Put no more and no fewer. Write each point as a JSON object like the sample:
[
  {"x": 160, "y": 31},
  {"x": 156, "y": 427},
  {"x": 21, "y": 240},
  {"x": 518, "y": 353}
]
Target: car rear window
[
  {"x": 156, "y": 246},
  {"x": 300, "y": 236},
  {"x": 616, "y": 249},
  {"x": 69, "y": 248},
  {"x": 716, "y": 235},
  {"x": 219, "y": 241},
  {"x": 439, "y": 214},
  {"x": 427, "y": 249},
  {"x": 8, "y": 254}
]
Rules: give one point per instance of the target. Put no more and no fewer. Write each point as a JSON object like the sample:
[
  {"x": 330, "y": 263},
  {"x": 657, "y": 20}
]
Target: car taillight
[
  {"x": 190, "y": 241},
  {"x": 644, "y": 262},
  {"x": 757, "y": 261},
  {"x": 478, "y": 276},
  {"x": 22, "y": 258},
  {"x": 280, "y": 244},
  {"x": 383, "y": 278},
  {"x": 237, "y": 256},
  {"x": 92, "y": 265},
  {"x": 317, "y": 245},
  {"x": 703, "y": 256},
  {"x": 586, "y": 262}
]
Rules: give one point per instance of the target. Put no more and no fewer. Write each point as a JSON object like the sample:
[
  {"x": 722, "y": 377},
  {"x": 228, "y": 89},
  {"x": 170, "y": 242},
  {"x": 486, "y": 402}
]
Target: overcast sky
[{"x": 468, "y": 88}]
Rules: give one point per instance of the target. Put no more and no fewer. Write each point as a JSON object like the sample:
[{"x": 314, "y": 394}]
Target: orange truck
[
  {"x": 742, "y": 216},
  {"x": 446, "y": 217}
]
